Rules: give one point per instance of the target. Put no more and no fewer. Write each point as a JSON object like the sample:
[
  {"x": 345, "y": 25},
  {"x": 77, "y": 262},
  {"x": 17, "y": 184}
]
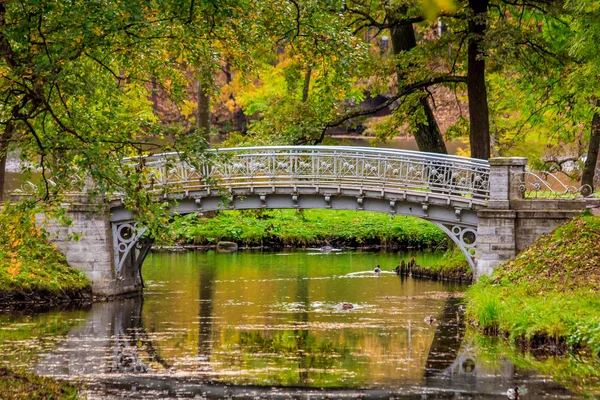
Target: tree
[
  {"x": 427, "y": 133},
  {"x": 340, "y": 70},
  {"x": 400, "y": 20},
  {"x": 545, "y": 67},
  {"x": 478, "y": 104},
  {"x": 75, "y": 80}
]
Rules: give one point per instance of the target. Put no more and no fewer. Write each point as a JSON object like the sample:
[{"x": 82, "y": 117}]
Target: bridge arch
[{"x": 445, "y": 190}]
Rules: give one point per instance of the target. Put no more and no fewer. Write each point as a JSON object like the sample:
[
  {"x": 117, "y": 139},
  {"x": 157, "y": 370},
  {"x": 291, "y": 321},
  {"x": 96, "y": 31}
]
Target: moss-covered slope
[
  {"x": 549, "y": 294},
  {"x": 31, "y": 269}
]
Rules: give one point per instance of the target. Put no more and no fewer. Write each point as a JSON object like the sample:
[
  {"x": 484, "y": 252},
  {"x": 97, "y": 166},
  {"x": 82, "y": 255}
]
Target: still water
[{"x": 271, "y": 325}]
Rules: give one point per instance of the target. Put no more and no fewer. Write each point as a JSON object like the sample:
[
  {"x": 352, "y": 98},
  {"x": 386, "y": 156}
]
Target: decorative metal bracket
[
  {"x": 125, "y": 237},
  {"x": 465, "y": 238},
  {"x": 142, "y": 248}
]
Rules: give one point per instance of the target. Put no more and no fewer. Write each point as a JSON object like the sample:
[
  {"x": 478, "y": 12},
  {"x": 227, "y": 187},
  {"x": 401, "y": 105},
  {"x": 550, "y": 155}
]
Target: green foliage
[
  {"x": 454, "y": 260},
  {"x": 306, "y": 227},
  {"x": 543, "y": 76},
  {"x": 28, "y": 263},
  {"x": 549, "y": 291}
]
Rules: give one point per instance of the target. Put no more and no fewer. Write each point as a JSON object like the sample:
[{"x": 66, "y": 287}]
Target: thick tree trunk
[
  {"x": 589, "y": 168},
  {"x": 478, "y": 105},
  {"x": 4, "y": 141},
  {"x": 427, "y": 135},
  {"x": 203, "y": 116}
]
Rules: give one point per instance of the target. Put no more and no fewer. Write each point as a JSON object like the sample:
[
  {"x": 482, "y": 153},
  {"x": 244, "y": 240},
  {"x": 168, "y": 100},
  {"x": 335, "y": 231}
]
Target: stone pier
[
  {"x": 511, "y": 222},
  {"x": 93, "y": 251}
]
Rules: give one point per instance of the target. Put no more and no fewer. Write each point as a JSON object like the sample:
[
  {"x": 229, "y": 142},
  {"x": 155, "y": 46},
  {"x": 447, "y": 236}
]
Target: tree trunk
[
  {"x": 478, "y": 105},
  {"x": 589, "y": 168},
  {"x": 240, "y": 122},
  {"x": 203, "y": 113},
  {"x": 427, "y": 135},
  {"x": 154, "y": 95},
  {"x": 306, "y": 85},
  {"x": 4, "y": 141}
]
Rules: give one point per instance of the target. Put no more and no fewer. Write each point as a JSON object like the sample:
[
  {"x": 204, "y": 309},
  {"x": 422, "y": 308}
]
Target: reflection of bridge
[{"x": 478, "y": 204}]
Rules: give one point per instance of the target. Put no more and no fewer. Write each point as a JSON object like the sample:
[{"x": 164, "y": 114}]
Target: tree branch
[{"x": 402, "y": 92}]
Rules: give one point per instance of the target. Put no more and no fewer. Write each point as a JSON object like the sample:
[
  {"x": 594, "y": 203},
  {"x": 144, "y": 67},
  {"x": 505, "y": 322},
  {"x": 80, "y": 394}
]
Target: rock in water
[{"x": 227, "y": 247}]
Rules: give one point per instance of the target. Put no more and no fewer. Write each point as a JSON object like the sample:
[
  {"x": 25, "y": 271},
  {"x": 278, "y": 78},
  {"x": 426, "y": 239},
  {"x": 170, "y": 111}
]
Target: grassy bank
[
  {"x": 276, "y": 228},
  {"x": 26, "y": 386},
  {"x": 31, "y": 269},
  {"x": 549, "y": 296}
]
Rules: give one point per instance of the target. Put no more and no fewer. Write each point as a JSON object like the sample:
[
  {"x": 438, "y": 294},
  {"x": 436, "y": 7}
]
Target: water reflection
[
  {"x": 265, "y": 325},
  {"x": 205, "y": 315}
]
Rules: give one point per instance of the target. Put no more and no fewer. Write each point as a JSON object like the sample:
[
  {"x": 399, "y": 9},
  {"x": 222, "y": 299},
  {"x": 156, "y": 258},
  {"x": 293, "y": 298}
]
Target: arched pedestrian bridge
[{"x": 475, "y": 202}]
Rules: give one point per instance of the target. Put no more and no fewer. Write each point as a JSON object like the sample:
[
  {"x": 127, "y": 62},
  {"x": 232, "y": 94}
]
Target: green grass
[
  {"x": 453, "y": 260},
  {"x": 550, "y": 293},
  {"x": 306, "y": 228},
  {"x": 30, "y": 266},
  {"x": 26, "y": 386}
]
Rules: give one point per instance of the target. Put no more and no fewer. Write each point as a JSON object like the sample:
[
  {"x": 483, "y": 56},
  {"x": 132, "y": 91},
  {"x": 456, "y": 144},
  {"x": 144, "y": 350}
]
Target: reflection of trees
[
  {"x": 448, "y": 337},
  {"x": 294, "y": 356},
  {"x": 205, "y": 312},
  {"x": 298, "y": 357},
  {"x": 302, "y": 297}
]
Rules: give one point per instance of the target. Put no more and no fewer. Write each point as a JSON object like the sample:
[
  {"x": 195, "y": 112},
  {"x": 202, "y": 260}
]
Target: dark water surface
[{"x": 271, "y": 325}]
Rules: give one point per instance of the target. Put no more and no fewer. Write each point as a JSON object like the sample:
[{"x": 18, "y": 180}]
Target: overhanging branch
[{"x": 404, "y": 91}]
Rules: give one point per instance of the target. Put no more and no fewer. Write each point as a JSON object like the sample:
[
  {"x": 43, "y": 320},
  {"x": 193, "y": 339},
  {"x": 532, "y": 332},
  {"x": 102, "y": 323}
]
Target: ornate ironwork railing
[
  {"x": 320, "y": 166},
  {"x": 543, "y": 184}
]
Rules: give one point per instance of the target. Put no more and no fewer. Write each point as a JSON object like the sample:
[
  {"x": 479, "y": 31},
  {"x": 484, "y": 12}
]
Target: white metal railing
[
  {"x": 544, "y": 184},
  {"x": 319, "y": 166}
]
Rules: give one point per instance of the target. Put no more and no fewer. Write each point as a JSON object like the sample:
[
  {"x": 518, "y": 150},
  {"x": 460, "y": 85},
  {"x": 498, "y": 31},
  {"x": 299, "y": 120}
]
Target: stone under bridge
[{"x": 480, "y": 205}]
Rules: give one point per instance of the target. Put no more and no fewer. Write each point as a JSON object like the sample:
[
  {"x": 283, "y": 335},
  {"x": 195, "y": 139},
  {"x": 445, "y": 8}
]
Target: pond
[{"x": 272, "y": 324}]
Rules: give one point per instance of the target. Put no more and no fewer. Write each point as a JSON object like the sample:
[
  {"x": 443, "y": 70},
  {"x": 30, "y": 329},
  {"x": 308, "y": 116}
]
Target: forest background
[{"x": 85, "y": 83}]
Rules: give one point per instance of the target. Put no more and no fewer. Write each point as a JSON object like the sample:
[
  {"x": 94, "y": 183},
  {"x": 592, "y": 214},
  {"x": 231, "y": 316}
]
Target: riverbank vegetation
[
  {"x": 451, "y": 267},
  {"x": 32, "y": 271},
  {"x": 306, "y": 228},
  {"x": 26, "y": 386},
  {"x": 547, "y": 298}
]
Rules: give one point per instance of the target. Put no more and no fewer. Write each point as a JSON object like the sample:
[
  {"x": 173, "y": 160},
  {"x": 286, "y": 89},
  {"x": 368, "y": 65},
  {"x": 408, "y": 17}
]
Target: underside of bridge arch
[{"x": 457, "y": 220}]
